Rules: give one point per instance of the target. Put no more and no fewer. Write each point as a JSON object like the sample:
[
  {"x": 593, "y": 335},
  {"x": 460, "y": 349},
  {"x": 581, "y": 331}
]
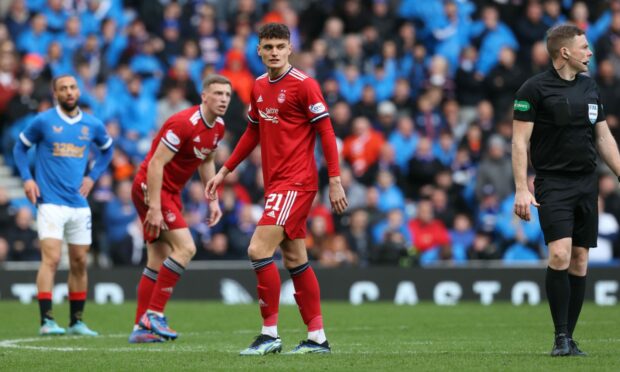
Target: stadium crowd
[{"x": 420, "y": 96}]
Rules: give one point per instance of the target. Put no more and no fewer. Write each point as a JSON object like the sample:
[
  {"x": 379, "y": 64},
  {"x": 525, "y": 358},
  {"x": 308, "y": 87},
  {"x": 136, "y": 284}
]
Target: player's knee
[
  {"x": 256, "y": 251},
  {"x": 579, "y": 259},
  {"x": 50, "y": 262},
  {"x": 559, "y": 258},
  {"x": 78, "y": 264}
]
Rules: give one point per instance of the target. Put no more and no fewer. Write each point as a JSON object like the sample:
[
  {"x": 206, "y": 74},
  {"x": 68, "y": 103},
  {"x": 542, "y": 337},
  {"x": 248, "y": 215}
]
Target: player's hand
[
  {"x": 523, "y": 199},
  {"x": 215, "y": 213},
  {"x": 212, "y": 185},
  {"x": 154, "y": 223},
  {"x": 87, "y": 186},
  {"x": 337, "y": 197},
  {"x": 31, "y": 189}
]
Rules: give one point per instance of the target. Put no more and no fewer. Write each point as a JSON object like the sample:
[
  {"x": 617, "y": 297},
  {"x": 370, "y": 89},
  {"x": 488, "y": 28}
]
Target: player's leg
[
  {"x": 78, "y": 232},
  {"x": 157, "y": 252},
  {"x": 50, "y": 258},
  {"x": 558, "y": 292},
  {"x": 78, "y": 286},
  {"x": 307, "y": 296},
  {"x": 50, "y": 226},
  {"x": 265, "y": 240},
  {"x": 183, "y": 249}
]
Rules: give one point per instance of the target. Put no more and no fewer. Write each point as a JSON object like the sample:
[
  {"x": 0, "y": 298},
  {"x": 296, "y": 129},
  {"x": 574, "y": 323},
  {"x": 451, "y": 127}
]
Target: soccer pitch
[{"x": 376, "y": 337}]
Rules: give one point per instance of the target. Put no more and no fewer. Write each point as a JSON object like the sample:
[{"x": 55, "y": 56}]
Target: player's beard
[{"x": 68, "y": 107}]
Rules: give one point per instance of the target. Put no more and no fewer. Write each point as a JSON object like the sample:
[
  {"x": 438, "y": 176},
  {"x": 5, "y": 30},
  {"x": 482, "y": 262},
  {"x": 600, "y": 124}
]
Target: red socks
[
  {"x": 167, "y": 279},
  {"x": 268, "y": 290},
  {"x": 308, "y": 296},
  {"x": 145, "y": 291}
]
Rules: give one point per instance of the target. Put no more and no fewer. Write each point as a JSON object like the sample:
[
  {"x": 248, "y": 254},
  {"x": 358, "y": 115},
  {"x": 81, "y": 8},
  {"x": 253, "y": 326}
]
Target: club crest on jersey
[
  {"x": 282, "y": 96},
  {"x": 57, "y": 129},
  {"x": 592, "y": 112},
  {"x": 202, "y": 153},
  {"x": 270, "y": 114},
  {"x": 84, "y": 136}
]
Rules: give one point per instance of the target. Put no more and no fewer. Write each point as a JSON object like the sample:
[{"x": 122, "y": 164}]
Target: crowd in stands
[{"x": 420, "y": 96}]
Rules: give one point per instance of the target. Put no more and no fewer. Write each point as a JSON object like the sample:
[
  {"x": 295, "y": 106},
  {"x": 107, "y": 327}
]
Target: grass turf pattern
[{"x": 377, "y": 337}]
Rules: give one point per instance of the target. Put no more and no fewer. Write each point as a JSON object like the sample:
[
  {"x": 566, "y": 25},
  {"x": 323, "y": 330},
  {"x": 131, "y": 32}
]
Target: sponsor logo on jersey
[
  {"x": 592, "y": 112},
  {"x": 57, "y": 129},
  {"x": 317, "y": 108},
  {"x": 260, "y": 99},
  {"x": 522, "y": 105},
  {"x": 202, "y": 153},
  {"x": 282, "y": 96},
  {"x": 271, "y": 214},
  {"x": 172, "y": 138},
  {"x": 197, "y": 139},
  {"x": 68, "y": 150},
  {"x": 270, "y": 114}
]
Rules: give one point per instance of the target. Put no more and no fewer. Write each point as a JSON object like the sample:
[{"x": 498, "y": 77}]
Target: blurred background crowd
[{"x": 420, "y": 96}]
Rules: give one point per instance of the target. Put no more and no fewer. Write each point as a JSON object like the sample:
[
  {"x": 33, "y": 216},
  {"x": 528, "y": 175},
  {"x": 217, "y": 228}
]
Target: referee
[{"x": 558, "y": 114}]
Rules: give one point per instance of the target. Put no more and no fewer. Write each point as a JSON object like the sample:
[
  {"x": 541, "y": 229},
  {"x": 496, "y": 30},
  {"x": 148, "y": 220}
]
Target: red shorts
[
  {"x": 171, "y": 206},
  {"x": 288, "y": 209}
]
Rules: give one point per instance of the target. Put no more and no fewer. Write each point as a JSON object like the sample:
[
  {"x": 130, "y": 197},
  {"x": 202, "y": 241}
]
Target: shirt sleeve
[
  {"x": 102, "y": 138},
  {"x": 601, "y": 111},
  {"x": 253, "y": 110},
  {"x": 33, "y": 132},
  {"x": 525, "y": 103},
  {"x": 314, "y": 105},
  {"x": 173, "y": 134}
]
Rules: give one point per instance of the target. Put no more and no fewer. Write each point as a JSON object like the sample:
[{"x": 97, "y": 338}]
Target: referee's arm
[
  {"x": 607, "y": 147},
  {"x": 521, "y": 133}
]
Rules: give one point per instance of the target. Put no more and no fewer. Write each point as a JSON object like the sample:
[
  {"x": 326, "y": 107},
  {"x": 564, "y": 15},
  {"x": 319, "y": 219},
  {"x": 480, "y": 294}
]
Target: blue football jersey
[{"x": 62, "y": 149}]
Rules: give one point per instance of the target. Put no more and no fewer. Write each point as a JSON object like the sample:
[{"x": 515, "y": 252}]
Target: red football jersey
[
  {"x": 284, "y": 109},
  {"x": 188, "y": 134}
]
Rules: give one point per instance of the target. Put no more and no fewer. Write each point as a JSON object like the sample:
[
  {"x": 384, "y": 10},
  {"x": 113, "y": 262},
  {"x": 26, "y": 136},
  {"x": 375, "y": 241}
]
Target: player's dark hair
[
  {"x": 215, "y": 79},
  {"x": 55, "y": 80},
  {"x": 559, "y": 36},
  {"x": 274, "y": 31}
]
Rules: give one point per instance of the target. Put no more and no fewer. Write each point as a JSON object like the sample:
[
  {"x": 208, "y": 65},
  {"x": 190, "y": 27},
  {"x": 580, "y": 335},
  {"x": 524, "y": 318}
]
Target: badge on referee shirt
[{"x": 592, "y": 112}]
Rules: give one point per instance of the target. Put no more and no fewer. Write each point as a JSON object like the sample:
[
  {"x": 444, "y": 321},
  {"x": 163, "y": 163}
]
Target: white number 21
[{"x": 270, "y": 199}]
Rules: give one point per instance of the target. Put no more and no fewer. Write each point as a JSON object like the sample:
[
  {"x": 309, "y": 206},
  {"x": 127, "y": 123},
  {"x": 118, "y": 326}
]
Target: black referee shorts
[{"x": 568, "y": 208}]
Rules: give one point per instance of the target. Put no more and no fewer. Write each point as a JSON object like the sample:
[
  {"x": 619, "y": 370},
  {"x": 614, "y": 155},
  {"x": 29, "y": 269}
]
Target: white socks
[
  {"x": 317, "y": 336},
  {"x": 270, "y": 331}
]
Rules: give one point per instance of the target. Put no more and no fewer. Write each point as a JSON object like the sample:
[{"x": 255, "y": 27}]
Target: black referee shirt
[{"x": 564, "y": 115}]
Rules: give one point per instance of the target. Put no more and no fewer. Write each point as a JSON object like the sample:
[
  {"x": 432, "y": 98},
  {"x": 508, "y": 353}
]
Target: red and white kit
[
  {"x": 283, "y": 112},
  {"x": 192, "y": 139}
]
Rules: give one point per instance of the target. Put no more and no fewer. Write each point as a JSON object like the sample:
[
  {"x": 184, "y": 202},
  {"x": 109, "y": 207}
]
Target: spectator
[
  {"x": 422, "y": 167},
  {"x": 427, "y": 232},
  {"x": 503, "y": 80},
  {"x": 495, "y": 170},
  {"x": 240, "y": 234},
  {"x": 358, "y": 236},
  {"x": 361, "y": 149},
  {"x": 36, "y": 38},
  {"x": 404, "y": 141},
  {"x": 530, "y": 29},
  {"x": 22, "y": 238},
  {"x": 336, "y": 253},
  {"x": 172, "y": 102},
  {"x": 119, "y": 213}
]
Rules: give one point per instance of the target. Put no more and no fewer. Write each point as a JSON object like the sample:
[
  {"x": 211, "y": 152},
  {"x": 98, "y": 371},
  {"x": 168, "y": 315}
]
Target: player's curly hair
[
  {"x": 274, "y": 31},
  {"x": 559, "y": 36}
]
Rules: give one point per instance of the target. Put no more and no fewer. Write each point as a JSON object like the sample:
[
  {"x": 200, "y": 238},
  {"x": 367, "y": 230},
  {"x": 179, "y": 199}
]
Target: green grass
[{"x": 376, "y": 337}]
